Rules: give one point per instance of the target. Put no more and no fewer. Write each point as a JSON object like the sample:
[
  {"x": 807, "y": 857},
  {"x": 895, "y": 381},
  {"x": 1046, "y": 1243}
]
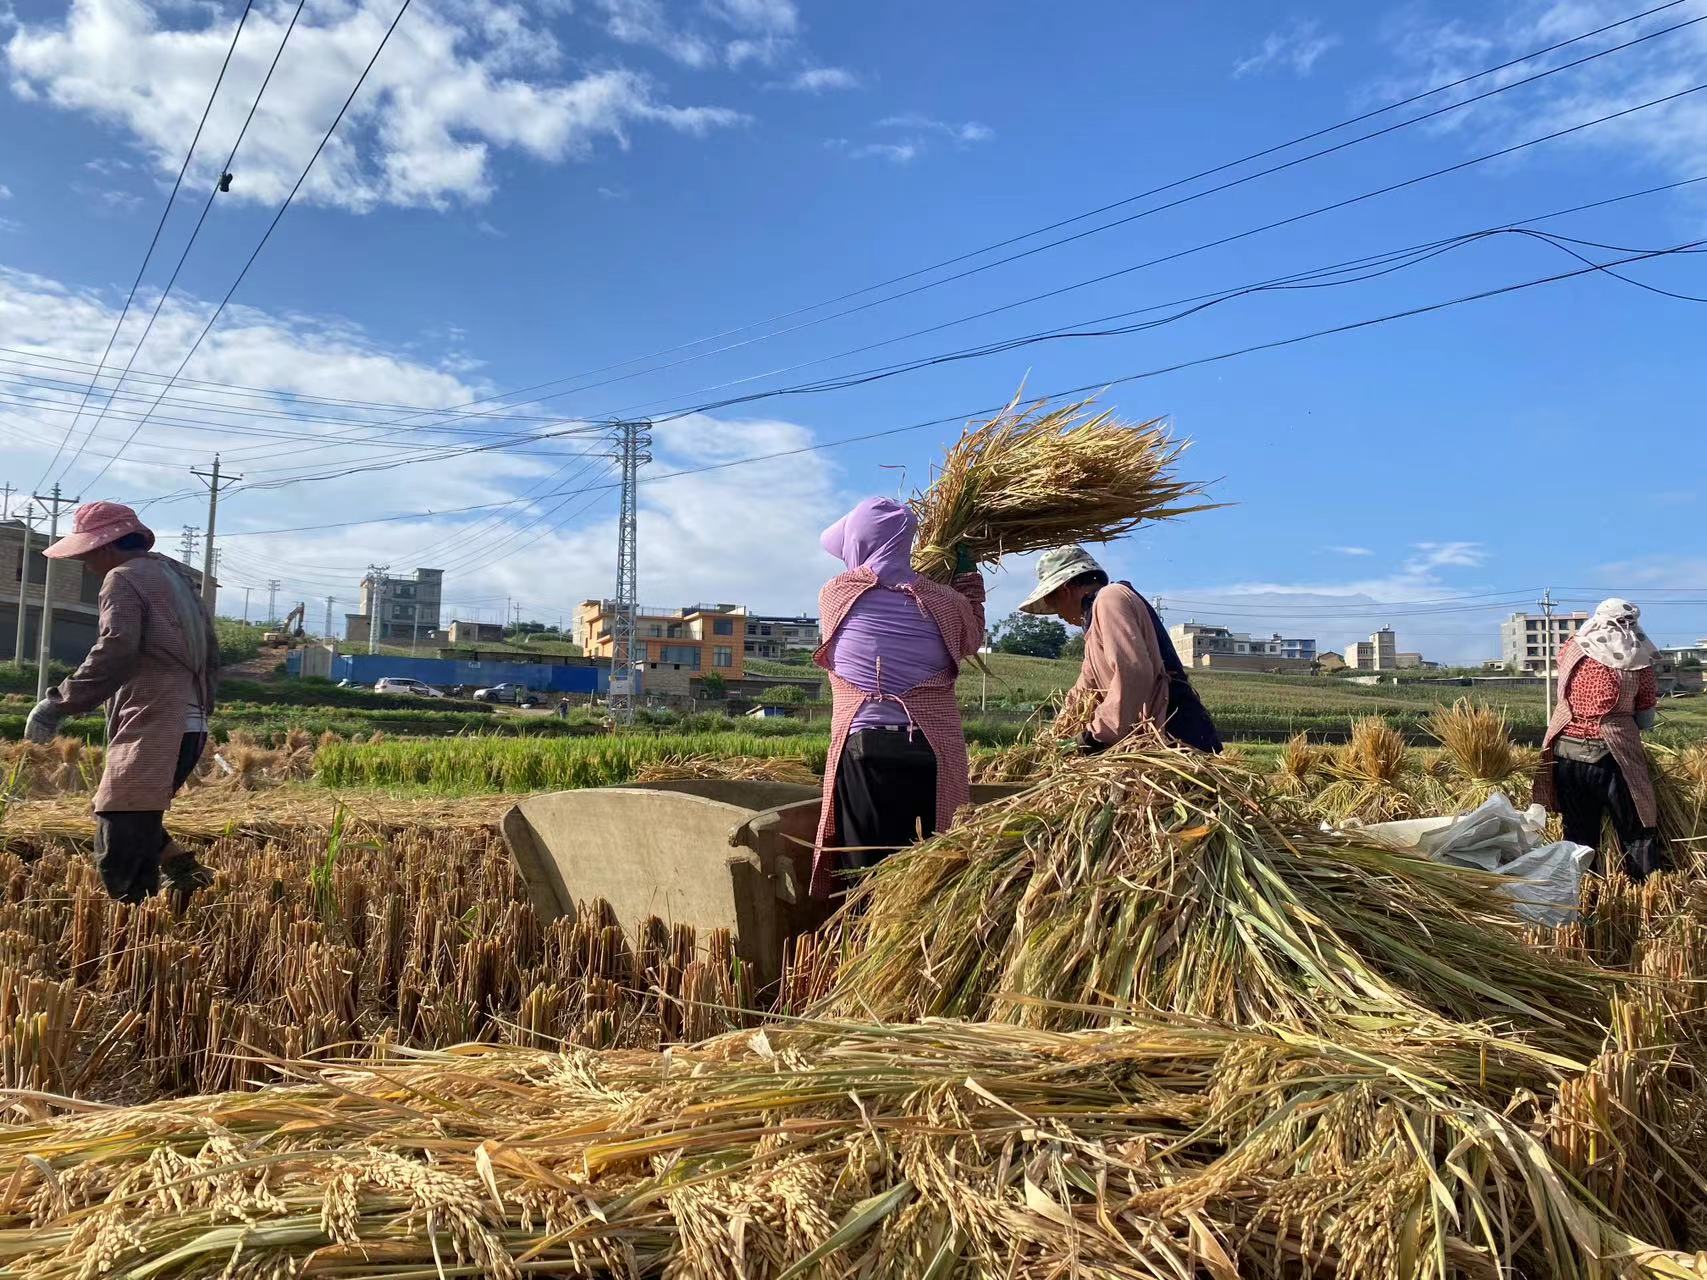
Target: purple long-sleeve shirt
[{"x": 887, "y": 626}]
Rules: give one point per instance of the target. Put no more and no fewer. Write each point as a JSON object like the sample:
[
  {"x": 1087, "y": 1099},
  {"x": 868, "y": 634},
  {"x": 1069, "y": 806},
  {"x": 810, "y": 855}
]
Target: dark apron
[{"x": 1189, "y": 721}]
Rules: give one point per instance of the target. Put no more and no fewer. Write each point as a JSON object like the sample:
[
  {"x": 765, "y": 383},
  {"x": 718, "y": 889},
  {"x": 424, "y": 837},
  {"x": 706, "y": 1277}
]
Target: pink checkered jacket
[
  {"x": 958, "y": 612},
  {"x": 156, "y": 656},
  {"x": 1617, "y": 729}
]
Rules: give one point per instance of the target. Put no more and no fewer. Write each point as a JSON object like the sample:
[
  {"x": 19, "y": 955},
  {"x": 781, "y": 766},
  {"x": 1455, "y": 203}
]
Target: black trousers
[
  {"x": 128, "y": 843},
  {"x": 885, "y": 795},
  {"x": 1588, "y": 794}
]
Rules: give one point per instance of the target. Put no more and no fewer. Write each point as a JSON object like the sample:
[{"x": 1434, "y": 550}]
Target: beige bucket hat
[{"x": 1055, "y": 569}]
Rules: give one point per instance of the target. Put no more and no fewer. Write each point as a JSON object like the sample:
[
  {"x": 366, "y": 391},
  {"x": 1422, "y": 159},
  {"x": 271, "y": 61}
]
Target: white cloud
[
  {"x": 739, "y": 31},
  {"x": 822, "y": 79},
  {"x": 921, "y": 129},
  {"x": 5, "y": 192},
  {"x": 1296, "y": 48},
  {"x": 779, "y": 17},
  {"x": 1672, "y": 137},
  {"x": 1336, "y": 613},
  {"x": 970, "y": 131},
  {"x": 455, "y": 83},
  {"x": 645, "y": 22},
  {"x": 10, "y": 224},
  {"x": 894, "y": 152},
  {"x": 691, "y": 547},
  {"x": 1440, "y": 555},
  {"x": 1352, "y": 551}
]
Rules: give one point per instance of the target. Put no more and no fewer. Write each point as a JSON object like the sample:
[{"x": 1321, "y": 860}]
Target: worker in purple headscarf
[{"x": 893, "y": 642}]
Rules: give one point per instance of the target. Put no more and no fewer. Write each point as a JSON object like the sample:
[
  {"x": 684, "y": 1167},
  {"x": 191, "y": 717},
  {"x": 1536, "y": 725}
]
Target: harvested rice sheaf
[
  {"x": 1160, "y": 879},
  {"x": 965, "y": 1150},
  {"x": 949, "y": 1149},
  {"x": 1479, "y": 757},
  {"x": 1038, "y": 476}
]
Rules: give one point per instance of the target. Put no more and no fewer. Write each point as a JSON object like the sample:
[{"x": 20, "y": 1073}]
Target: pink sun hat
[{"x": 95, "y": 525}]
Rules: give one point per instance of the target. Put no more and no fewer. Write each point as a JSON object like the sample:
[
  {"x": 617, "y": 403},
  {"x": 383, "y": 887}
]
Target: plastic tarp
[{"x": 1545, "y": 878}]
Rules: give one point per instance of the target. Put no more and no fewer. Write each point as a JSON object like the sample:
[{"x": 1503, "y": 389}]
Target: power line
[
  {"x": 1217, "y": 243},
  {"x": 1060, "y": 393},
  {"x": 159, "y": 227},
  {"x": 1220, "y": 168},
  {"x": 159, "y": 303},
  {"x": 44, "y": 359},
  {"x": 273, "y": 225},
  {"x": 1158, "y": 190},
  {"x": 1274, "y": 282}
]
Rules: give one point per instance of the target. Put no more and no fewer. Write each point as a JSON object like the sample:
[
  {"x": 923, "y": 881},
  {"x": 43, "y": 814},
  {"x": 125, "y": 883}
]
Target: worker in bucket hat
[
  {"x": 1130, "y": 668},
  {"x": 154, "y": 665}
]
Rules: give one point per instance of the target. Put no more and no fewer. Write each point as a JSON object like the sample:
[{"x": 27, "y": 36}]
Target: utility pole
[
  {"x": 23, "y": 583},
  {"x": 187, "y": 543},
  {"x": 1547, "y": 653},
  {"x": 272, "y": 601},
  {"x": 246, "y": 591},
  {"x": 634, "y": 441},
  {"x": 330, "y": 601},
  {"x": 375, "y": 589},
  {"x": 54, "y": 502},
  {"x": 6, "y": 492},
  {"x": 210, "y": 562}
]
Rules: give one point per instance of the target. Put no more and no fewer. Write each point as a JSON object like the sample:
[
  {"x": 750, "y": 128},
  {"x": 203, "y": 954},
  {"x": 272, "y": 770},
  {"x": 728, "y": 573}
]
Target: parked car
[
  {"x": 401, "y": 684},
  {"x": 515, "y": 694}
]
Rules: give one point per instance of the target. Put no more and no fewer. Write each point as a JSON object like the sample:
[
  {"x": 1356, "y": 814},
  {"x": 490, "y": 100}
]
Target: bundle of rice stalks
[
  {"x": 1055, "y": 727},
  {"x": 1301, "y": 768},
  {"x": 1374, "y": 777},
  {"x": 935, "y": 1151},
  {"x": 1680, "y": 789},
  {"x": 1162, "y": 879},
  {"x": 1480, "y": 760},
  {"x": 1603, "y": 1125},
  {"x": 65, "y": 765},
  {"x": 1034, "y": 477},
  {"x": 734, "y": 768}
]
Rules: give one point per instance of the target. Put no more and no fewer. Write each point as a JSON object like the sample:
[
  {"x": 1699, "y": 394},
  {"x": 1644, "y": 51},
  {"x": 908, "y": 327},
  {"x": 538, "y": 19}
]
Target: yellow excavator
[{"x": 290, "y": 634}]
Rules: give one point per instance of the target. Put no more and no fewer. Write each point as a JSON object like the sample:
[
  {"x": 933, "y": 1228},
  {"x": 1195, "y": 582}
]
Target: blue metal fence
[{"x": 364, "y": 668}]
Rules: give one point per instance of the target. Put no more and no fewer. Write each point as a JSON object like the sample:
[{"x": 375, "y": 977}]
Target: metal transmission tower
[
  {"x": 187, "y": 543},
  {"x": 634, "y": 440},
  {"x": 273, "y": 585}
]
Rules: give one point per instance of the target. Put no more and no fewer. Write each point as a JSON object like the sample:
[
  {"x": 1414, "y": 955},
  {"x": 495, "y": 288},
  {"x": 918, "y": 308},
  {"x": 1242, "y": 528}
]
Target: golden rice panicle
[
  {"x": 1476, "y": 741},
  {"x": 1038, "y": 476},
  {"x": 1373, "y": 778},
  {"x": 1300, "y": 767},
  {"x": 1376, "y": 752}
]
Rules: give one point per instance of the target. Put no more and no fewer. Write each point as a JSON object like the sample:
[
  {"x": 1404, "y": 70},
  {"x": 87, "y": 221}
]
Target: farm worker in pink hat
[{"x": 154, "y": 665}]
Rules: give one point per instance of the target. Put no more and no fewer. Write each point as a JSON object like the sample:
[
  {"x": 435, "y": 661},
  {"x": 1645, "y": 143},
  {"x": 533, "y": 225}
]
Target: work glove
[
  {"x": 1646, "y": 720},
  {"x": 44, "y": 721},
  {"x": 963, "y": 561}
]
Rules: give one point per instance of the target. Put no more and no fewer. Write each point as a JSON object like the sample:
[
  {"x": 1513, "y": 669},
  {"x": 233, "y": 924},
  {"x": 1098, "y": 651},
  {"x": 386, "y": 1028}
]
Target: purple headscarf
[{"x": 877, "y": 535}]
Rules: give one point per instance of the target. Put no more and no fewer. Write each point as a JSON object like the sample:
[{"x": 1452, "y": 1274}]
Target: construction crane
[{"x": 289, "y": 634}]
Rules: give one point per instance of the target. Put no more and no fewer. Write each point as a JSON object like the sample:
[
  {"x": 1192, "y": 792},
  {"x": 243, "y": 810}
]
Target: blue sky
[{"x": 524, "y": 193}]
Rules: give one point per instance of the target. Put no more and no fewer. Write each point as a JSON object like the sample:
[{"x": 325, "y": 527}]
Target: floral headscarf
[{"x": 1614, "y": 637}]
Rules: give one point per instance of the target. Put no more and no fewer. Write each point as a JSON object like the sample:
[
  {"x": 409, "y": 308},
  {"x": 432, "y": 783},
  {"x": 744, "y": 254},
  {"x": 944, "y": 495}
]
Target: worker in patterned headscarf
[
  {"x": 893, "y": 643},
  {"x": 1592, "y": 763},
  {"x": 154, "y": 665}
]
